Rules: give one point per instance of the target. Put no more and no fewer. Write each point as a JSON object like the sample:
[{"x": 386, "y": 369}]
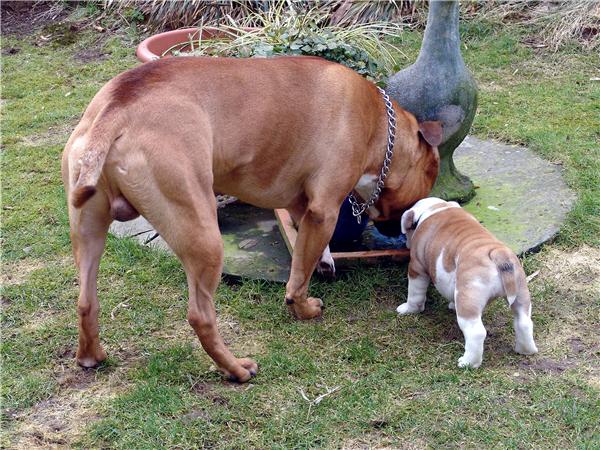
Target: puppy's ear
[
  {"x": 408, "y": 220},
  {"x": 432, "y": 132}
]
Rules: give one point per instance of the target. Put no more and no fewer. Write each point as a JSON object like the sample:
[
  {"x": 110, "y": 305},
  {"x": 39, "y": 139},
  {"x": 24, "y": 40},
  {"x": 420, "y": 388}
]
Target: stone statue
[{"x": 438, "y": 86}]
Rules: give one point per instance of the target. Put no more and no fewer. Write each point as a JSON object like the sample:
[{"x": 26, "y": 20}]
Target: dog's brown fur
[{"x": 290, "y": 132}]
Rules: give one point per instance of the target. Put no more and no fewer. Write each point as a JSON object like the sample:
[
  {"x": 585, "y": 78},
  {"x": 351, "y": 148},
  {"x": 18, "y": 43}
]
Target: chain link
[{"x": 359, "y": 208}]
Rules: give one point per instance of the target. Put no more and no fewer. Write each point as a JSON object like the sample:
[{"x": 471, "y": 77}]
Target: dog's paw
[
  {"x": 248, "y": 370},
  {"x": 526, "y": 348},
  {"x": 407, "y": 308},
  {"x": 92, "y": 359},
  {"x": 311, "y": 308},
  {"x": 326, "y": 269},
  {"x": 467, "y": 361}
]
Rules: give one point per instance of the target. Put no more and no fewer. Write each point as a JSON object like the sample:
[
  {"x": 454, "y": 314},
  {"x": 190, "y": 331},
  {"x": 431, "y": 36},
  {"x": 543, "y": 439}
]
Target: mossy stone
[{"x": 438, "y": 86}]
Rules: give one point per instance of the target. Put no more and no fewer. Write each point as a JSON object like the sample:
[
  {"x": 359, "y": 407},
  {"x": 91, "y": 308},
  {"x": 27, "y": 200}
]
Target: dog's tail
[
  {"x": 87, "y": 161},
  {"x": 509, "y": 271}
]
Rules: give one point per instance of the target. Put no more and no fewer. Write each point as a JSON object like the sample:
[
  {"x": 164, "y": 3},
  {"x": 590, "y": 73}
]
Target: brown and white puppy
[
  {"x": 290, "y": 132},
  {"x": 468, "y": 266}
]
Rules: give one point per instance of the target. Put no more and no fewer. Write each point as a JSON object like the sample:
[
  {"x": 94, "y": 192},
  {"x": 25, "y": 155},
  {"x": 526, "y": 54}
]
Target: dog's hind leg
[
  {"x": 469, "y": 304},
  {"x": 190, "y": 228},
  {"x": 89, "y": 226},
  {"x": 521, "y": 309}
]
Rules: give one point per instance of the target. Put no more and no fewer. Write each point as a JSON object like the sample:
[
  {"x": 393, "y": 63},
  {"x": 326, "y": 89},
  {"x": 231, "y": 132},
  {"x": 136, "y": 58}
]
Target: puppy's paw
[
  {"x": 467, "y": 361},
  {"x": 407, "y": 308},
  {"x": 526, "y": 348}
]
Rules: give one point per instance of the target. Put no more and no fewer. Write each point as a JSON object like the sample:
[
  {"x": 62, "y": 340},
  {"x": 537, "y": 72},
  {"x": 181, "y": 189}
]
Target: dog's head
[
  {"x": 414, "y": 168},
  {"x": 419, "y": 212}
]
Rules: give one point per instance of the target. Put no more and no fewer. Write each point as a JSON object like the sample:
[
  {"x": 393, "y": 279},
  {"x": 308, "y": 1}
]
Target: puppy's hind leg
[
  {"x": 469, "y": 307},
  {"x": 521, "y": 309},
  {"x": 418, "y": 282}
]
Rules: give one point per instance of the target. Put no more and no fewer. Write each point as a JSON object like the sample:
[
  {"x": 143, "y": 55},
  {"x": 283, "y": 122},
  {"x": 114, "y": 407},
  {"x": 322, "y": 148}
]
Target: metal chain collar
[{"x": 359, "y": 208}]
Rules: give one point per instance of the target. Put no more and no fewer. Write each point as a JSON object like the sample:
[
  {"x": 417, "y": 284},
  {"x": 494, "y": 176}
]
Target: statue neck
[{"x": 442, "y": 39}]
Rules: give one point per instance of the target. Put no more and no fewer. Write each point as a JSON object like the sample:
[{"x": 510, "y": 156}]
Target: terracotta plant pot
[{"x": 155, "y": 46}]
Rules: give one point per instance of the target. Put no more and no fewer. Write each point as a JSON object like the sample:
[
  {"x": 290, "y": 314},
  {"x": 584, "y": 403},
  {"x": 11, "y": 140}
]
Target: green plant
[
  {"x": 284, "y": 30},
  {"x": 134, "y": 15}
]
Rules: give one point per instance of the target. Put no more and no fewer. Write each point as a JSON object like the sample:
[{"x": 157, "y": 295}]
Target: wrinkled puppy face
[
  {"x": 415, "y": 180},
  {"x": 418, "y": 212}
]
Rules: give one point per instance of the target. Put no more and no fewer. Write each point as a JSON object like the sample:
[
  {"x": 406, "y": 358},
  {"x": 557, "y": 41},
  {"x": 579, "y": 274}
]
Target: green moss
[
  {"x": 61, "y": 34},
  {"x": 500, "y": 218},
  {"x": 451, "y": 184}
]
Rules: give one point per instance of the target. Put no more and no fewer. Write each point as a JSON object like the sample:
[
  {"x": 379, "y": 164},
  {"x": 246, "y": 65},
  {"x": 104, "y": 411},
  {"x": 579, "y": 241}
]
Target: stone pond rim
[{"x": 522, "y": 199}]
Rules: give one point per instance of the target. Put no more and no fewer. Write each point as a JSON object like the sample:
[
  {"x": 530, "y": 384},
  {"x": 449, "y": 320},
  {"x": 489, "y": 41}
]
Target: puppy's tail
[
  {"x": 87, "y": 161},
  {"x": 509, "y": 271}
]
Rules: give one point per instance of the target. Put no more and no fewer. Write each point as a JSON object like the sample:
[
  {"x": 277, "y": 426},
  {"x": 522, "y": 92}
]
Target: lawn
[{"x": 396, "y": 380}]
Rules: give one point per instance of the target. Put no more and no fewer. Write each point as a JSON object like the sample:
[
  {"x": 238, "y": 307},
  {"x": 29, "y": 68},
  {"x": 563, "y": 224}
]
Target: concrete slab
[
  {"x": 520, "y": 198},
  {"x": 254, "y": 247}
]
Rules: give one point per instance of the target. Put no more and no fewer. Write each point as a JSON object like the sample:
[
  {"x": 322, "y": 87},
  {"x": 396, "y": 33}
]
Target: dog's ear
[
  {"x": 432, "y": 132},
  {"x": 408, "y": 221}
]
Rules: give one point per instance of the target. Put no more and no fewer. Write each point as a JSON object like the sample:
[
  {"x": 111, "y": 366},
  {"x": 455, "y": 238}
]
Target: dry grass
[
  {"x": 576, "y": 272},
  {"x": 17, "y": 272},
  {"x": 61, "y": 420},
  {"x": 556, "y": 23},
  {"x": 169, "y": 14}
]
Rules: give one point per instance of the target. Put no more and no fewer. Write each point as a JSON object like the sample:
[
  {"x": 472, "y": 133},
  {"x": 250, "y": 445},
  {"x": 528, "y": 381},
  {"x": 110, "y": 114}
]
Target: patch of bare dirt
[
  {"x": 90, "y": 54},
  {"x": 373, "y": 441},
  {"x": 17, "y": 272},
  {"x": 60, "y": 421},
  {"x": 546, "y": 365},
  {"x": 23, "y": 18},
  {"x": 57, "y": 135},
  {"x": 574, "y": 272},
  {"x": 207, "y": 390}
]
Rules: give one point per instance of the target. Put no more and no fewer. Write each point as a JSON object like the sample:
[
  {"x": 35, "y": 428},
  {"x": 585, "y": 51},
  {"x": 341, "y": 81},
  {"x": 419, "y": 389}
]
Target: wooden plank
[
  {"x": 287, "y": 228},
  {"x": 401, "y": 254},
  {"x": 289, "y": 233}
]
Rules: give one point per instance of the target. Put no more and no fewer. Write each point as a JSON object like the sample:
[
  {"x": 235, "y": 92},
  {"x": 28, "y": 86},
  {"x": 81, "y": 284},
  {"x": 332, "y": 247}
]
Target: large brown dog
[{"x": 289, "y": 132}]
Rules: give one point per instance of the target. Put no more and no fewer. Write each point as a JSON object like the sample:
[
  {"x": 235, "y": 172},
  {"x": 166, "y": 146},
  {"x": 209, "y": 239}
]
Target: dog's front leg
[
  {"x": 418, "y": 281},
  {"x": 326, "y": 265},
  {"x": 314, "y": 232}
]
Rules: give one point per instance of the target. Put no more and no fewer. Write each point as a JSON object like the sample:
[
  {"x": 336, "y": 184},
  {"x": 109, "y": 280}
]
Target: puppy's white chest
[{"x": 445, "y": 282}]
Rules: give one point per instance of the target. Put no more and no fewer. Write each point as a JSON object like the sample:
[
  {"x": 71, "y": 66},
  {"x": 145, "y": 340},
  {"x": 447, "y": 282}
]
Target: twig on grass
[
  {"x": 317, "y": 399},
  {"x": 120, "y": 305},
  {"x": 533, "y": 275}
]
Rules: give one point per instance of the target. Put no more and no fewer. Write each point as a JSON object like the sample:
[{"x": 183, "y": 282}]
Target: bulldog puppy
[
  {"x": 468, "y": 266},
  {"x": 290, "y": 132}
]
